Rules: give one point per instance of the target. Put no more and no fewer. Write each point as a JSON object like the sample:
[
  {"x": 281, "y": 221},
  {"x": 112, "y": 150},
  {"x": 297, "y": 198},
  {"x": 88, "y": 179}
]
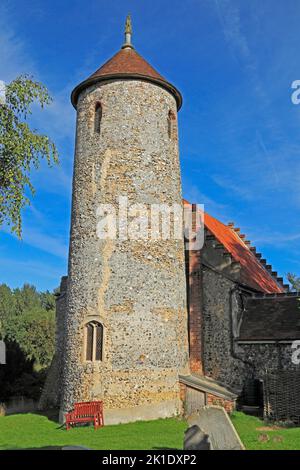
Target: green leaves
[
  {"x": 294, "y": 281},
  {"x": 21, "y": 148},
  {"x": 27, "y": 318},
  {"x": 34, "y": 332},
  {"x": 23, "y": 92}
]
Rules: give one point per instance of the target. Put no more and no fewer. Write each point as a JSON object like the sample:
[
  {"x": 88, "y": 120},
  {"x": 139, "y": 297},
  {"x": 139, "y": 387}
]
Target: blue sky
[{"x": 234, "y": 62}]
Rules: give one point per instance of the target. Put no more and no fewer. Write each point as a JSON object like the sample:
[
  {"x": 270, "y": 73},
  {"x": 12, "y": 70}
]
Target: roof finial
[{"x": 128, "y": 33}]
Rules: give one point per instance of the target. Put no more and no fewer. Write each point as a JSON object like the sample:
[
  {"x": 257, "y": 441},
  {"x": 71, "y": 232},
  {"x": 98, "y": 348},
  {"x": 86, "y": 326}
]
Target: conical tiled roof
[
  {"x": 127, "y": 60},
  {"x": 127, "y": 64}
]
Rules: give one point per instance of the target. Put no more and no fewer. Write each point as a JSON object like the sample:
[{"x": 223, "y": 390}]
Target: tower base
[{"x": 166, "y": 409}]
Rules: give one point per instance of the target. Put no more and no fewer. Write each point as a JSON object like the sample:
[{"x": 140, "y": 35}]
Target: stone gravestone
[
  {"x": 214, "y": 421},
  {"x": 195, "y": 439}
]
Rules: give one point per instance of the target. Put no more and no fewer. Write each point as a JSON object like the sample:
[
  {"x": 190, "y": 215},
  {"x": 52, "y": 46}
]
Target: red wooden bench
[{"x": 85, "y": 412}]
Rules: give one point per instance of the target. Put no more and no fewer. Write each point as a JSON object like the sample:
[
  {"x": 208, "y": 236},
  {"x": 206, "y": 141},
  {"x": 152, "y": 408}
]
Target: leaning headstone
[
  {"x": 214, "y": 421},
  {"x": 195, "y": 439}
]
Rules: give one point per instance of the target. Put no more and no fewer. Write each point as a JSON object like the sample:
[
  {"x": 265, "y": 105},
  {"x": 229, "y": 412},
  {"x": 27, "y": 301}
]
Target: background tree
[
  {"x": 7, "y": 305},
  {"x": 21, "y": 148},
  {"x": 27, "y": 325},
  {"x": 28, "y": 319},
  {"x": 294, "y": 281},
  {"x": 34, "y": 332},
  {"x": 47, "y": 299},
  {"x": 26, "y": 299}
]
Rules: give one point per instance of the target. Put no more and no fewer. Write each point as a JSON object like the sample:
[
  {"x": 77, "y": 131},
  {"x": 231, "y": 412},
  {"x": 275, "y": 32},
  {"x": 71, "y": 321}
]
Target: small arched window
[
  {"x": 171, "y": 124},
  {"x": 97, "y": 117},
  {"x": 93, "y": 341}
]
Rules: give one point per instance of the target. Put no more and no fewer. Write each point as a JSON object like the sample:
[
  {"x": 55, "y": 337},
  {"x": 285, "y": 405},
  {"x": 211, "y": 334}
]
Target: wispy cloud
[
  {"x": 276, "y": 238},
  {"x": 230, "y": 184},
  {"x": 29, "y": 267},
  {"x": 269, "y": 159},
  {"x": 58, "y": 119},
  {"x": 194, "y": 195},
  {"x": 32, "y": 236},
  {"x": 264, "y": 157},
  {"x": 50, "y": 244},
  {"x": 15, "y": 59},
  {"x": 229, "y": 16}
]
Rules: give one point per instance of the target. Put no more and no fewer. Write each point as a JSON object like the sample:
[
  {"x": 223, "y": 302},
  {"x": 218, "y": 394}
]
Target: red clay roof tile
[
  {"x": 253, "y": 274},
  {"x": 127, "y": 63}
]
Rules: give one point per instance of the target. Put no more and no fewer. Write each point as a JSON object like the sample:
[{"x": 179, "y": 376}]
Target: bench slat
[{"x": 86, "y": 412}]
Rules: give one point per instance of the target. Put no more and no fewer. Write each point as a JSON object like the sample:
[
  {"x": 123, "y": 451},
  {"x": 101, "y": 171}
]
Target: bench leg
[{"x": 98, "y": 421}]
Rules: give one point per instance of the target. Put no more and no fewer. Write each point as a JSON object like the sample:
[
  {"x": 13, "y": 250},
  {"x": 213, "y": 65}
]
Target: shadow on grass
[
  {"x": 51, "y": 415},
  {"x": 40, "y": 448},
  {"x": 77, "y": 447}
]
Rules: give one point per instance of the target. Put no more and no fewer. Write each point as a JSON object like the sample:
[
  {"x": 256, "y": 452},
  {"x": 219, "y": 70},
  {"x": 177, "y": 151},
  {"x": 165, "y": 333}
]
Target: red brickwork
[
  {"x": 210, "y": 399},
  {"x": 228, "y": 405},
  {"x": 194, "y": 287}
]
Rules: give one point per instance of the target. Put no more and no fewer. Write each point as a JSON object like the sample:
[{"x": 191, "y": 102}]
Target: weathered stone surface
[
  {"x": 136, "y": 289},
  {"x": 220, "y": 362},
  {"x": 267, "y": 357},
  {"x": 214, "y": 421},
  {"x": 195, "y": 439},
  {"x": 226, "y": 359}
]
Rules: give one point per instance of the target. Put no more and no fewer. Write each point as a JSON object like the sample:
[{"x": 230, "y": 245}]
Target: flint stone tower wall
[{"x": 136, "y": 289}]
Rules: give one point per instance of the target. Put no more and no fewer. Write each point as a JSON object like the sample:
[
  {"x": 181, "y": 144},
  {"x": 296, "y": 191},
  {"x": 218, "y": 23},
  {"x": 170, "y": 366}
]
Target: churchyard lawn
[
  {"x": 33, "y": 431},
  {"x": 257, "y": 435}
]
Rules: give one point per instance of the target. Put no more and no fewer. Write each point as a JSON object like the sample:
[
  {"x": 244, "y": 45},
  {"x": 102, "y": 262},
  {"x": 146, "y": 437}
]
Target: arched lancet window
[
  {"x": 93, "y": 341},
  {"x": 97, "y": 117},
  {"x": 171, "y": 124}
]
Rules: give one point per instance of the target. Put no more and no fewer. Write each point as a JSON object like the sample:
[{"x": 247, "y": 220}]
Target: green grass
[
  {"x": 248, "y": 430},
  {"x": 33, "y": 431}
]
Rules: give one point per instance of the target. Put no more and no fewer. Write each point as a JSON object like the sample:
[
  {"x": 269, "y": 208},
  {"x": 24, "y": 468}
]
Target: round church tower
[{"x": 125, "y": 338}]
